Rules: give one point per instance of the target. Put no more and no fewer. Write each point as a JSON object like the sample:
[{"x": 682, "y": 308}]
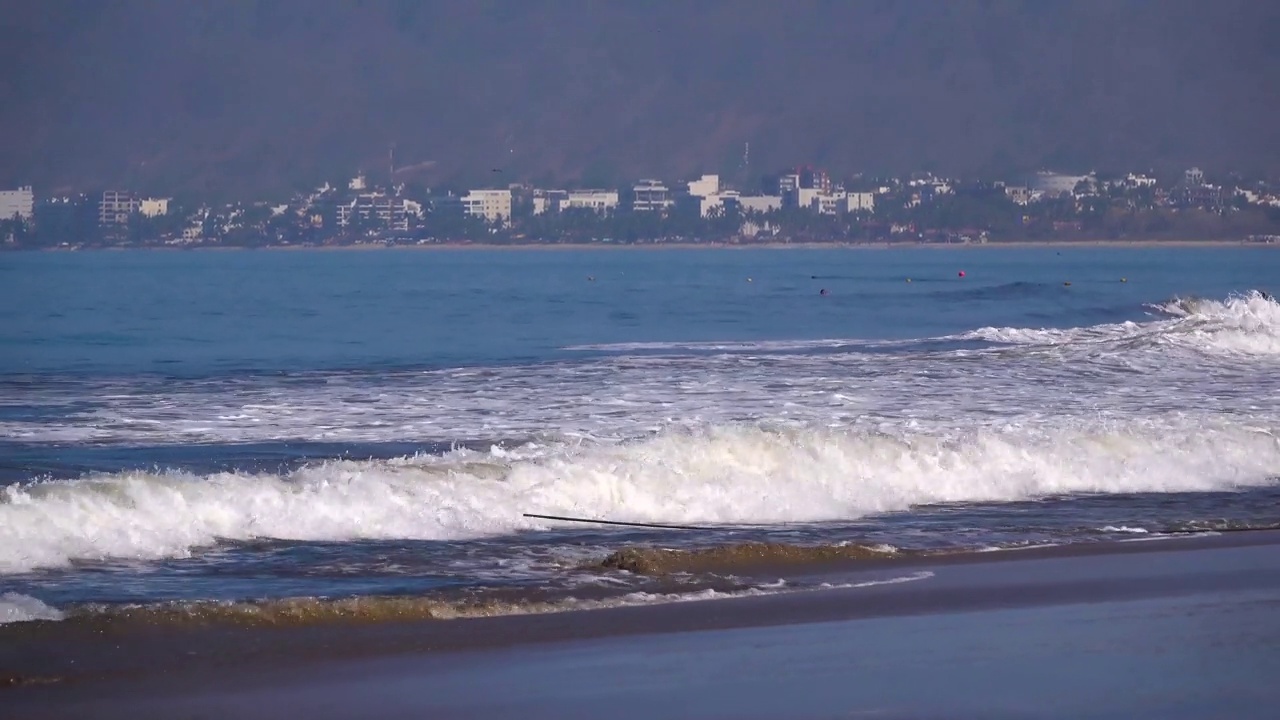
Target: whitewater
[
  {"x": 1102, "y": 411},
  {"x": 733, "y": 470}
]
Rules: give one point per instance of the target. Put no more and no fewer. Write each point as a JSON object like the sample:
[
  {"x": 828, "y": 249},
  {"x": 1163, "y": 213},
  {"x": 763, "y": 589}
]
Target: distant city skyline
[{"x": 806, "y": 204}]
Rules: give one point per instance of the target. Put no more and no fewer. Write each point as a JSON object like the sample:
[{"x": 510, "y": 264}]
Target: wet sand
[{"x": 1186, "y": 627}]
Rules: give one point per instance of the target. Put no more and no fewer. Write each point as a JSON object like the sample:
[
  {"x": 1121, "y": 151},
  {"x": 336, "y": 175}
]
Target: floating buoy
[
  {"x": 591, "y": 278},
  {"x": 1067, "y": 284},
  {"x": 750, "y": 280},
  {"x": 1124, "y": 279},
  {"x": 823, "y": 291},
  {"x": 961, "y": 273},
  {"x": 908, "y": 279}
]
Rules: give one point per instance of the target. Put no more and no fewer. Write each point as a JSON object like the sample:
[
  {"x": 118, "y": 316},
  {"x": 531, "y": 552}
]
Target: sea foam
[
  {"x": 1247, "y": 324},
  {"x": 15, "y": 607},
  {"x": 1212, "y": 351},
  {"x": 721, "y": 474}
]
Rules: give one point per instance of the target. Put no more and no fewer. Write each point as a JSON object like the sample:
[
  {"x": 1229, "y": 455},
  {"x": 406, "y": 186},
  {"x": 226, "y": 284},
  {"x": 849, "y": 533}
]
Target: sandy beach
[{"x": 1181, "y": 627}]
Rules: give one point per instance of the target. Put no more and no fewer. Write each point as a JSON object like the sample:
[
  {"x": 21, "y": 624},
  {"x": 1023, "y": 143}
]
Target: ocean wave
[
  {"x": 313, "y": 610},
  {"x": 1218, "y": 352},
  {"x": 720, "y": 346},
  {"x": 1247, "y": 324},
  {"x": 718, "y": 475},
  {"x": 15, "y": 607}
]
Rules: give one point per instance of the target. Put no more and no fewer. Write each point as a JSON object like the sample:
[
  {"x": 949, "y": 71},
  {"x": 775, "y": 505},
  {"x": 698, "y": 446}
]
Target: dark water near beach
[{"x": 242, "y": 426}]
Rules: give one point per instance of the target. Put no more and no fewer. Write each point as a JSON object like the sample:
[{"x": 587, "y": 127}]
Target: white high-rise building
[
  {"x": 859, "y": 201},
  {"x": 492, "y": 205},
  {"x": 20, "y": 202},
  {"x": 549, "y": 201},
  {"x": 116, "y": 207},
  {"x": 154, "y": 207},
  {"x": 651, "y": 195},
  {"x": 759, "y": 203},
  {"x": 706, "y": 186},
  {"x": 600, "y": 201}
]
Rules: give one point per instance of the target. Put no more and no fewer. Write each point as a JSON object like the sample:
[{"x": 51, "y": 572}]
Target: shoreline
[
  {"x": 649, "y": 246},
  {"x": 87, "y": 650},
  {"x": 1076, "y": 618}
]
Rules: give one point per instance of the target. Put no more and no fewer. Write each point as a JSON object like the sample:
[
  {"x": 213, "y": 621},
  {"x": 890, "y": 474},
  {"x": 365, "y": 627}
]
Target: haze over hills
[{"x": 236, "y": 98}]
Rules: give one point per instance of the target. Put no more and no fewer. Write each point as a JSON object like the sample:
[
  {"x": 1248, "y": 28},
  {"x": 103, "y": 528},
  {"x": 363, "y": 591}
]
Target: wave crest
[
  {"x": 15, "y": 607},
  {"x": 1247, "y": 324},
  {"x": 730, "y": 475}
]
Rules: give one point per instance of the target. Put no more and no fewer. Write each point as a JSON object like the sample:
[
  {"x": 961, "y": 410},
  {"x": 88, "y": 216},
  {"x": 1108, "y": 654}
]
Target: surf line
[{"x": 565, "y": 518}]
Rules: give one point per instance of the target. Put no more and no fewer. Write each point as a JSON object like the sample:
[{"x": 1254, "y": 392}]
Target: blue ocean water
[
  {"x": 202, "y": 314},
  {"x": 238, "y": 425}
]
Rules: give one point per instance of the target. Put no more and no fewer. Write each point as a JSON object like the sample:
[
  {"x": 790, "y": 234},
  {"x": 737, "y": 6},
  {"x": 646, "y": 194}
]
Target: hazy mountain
[{"x": 239, "y": 97}]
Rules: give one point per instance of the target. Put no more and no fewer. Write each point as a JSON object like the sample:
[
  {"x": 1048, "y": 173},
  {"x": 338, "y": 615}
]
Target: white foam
[
  {"x": 779, "y": 588},
  {"x": 1220, "y": 353},
  {"x": 731, "y": 345},
  {"x": 24, "y": 608},
  {"x": 1246, "y": 324},
  {"x": 724, "y": 474}
]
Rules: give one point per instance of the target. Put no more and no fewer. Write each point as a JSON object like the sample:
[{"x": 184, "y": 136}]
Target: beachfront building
[
  {"x": 1019, "y": 194},
  {"x": 1054, "y": 184},
  {"x": 549, "y": 201},
  {"x": 492, "y": 205},
  {"x": 20, "y": 202},
  {"x": 706, "y": 192},
  {"x": 709, "y": 205},
  {"x": 758, "y": 203},
  {"x": 599, "y": 201},
  {"x": 153, "y": 207},
  {"x": 554, "y": 201},
  {"x": 854, "y": 202},
  {"x": 651, "y": 196},
  {"x": 116, "y": 207},
  {"x": 377, "y": 210},
  {"x": 705, "y": 186}
]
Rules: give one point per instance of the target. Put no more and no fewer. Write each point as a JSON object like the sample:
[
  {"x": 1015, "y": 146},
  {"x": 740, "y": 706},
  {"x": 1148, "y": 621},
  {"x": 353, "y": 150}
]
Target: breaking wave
[
  {"x": 1247, "y": 324},
  {"x": 15, "y": 607},
  {"x": 1216, "y": 351},
  {"x": 722, "y": 474}
]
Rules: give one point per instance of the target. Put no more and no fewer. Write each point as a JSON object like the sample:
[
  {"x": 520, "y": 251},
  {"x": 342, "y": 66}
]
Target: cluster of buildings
[
  {"x": 1137, "y": 191},
  {"x": 804, "y": 189},
  {"x": 116, "y": 207},
  {"x": 361, "y": 209},
  {"x": 20, "y": 203}
]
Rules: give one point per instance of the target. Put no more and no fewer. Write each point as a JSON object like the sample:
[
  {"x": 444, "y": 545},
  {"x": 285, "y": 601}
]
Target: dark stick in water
[{"x": 618, "y": 522}]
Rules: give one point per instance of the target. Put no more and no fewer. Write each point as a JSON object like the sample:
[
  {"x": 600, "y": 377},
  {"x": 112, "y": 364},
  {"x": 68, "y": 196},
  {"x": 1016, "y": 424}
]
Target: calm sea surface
[{"x": 178, "y": 427}]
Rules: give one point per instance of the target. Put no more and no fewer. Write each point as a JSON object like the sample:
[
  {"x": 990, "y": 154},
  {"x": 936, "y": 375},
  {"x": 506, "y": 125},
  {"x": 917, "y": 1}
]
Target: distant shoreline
[{"x": 1011, "y": 244}]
